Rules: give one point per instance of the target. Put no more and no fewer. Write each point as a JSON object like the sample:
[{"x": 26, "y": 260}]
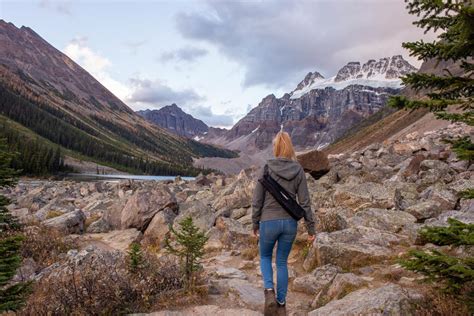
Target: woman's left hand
[
  {"x": 311, "y": 238},
  {"x": 255, "y": 232}
]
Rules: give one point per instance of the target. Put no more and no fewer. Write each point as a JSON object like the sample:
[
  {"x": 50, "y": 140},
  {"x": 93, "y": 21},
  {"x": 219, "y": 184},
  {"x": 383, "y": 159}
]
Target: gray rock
[
  {"x": 246, "y": 294},
  {"x": 69, "y": 223},
  {"x": 343, "y": 284},
  {"x": 159, "y": 227},
  {"x": 459, "y": 166},
  {"x": 230, "y": 273},
  {"x": 352, "y": 247},
  {"x": 232, "y": 233},
  {"x": 389, "y": 299},
  {"x": 144, "y": 204},
  {"x": 203, "y": 214},
  {"x": 386, "y": 220},
  {"x": 239, "y": 213},
  {"x": 206, "y": 310},
  {"x": 368, "y": 194},
  {"x": 424, "y": 210},
  {"x": 317, "y": 280},
  {"x": 442, "y": 220},
  {"x": 118, "y": 239},
  {"x": 440, "y": 194},
  {"x": 461, "y": 185},
  {"x": 99, "y": 226}
]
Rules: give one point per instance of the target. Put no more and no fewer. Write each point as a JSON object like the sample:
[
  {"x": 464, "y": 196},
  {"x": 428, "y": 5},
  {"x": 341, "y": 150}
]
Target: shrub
[
  {"x": 452, "y": 274},
  {"x": 45, "y": 245},
  {"x": 457, "y": 233},
  {"x": 135, "y": 257},
  {"x": 101, "y": 284},
  {"x": 189, "y": 248}
]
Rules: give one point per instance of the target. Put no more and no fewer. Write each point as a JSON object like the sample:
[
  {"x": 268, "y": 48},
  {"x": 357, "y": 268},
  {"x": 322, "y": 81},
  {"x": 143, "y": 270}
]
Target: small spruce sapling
[{"x": 188, "y": 245}]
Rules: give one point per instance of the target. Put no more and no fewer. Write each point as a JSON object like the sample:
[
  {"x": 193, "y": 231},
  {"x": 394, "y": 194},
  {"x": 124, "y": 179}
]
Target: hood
[{"x": 284, "y": 168}]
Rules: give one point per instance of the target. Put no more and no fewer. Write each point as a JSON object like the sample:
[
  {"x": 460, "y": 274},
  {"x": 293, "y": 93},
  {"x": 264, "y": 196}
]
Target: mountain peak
[
  {"x": 386, "y": 68},
  {"x": 385, "y": 72},
  {"x": 174, "y": 119},
  {"x": 310, "y": 78}
]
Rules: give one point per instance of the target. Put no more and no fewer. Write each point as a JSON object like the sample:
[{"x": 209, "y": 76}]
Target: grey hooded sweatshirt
[{"x": 290, "y": 175}]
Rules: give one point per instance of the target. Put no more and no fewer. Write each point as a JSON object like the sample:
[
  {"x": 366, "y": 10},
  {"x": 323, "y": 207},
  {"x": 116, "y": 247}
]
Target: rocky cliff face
[
  {"x": 320, "y": 110},
  {"x": 174, "y": 119}
]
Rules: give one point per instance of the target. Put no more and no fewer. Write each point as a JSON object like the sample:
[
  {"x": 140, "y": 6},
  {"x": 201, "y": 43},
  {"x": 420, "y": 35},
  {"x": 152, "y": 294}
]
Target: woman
[{"x": 274, "y": 225}]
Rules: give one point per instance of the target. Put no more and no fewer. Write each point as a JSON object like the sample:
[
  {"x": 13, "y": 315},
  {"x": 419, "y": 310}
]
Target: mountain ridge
[
  {"x": 175, "y": 120},
  {"x": 319, "y": 110},
  {"x": 45, "y": 84}
]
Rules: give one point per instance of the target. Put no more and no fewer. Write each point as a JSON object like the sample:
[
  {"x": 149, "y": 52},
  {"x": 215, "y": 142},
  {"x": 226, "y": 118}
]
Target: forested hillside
[{"x": 56, "y": 100}]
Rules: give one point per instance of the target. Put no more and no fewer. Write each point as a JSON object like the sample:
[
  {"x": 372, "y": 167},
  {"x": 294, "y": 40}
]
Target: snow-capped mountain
[
  {"x": 383, "y": 73},
  {"x": 320, "y": 109}
]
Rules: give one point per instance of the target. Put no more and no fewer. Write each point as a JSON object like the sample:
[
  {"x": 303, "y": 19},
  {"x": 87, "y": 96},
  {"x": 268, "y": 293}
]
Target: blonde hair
[{"x": 283, "y": 147}]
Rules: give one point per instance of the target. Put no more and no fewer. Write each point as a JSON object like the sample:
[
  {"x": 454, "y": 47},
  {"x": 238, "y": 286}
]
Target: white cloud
[
  {"x": 63, "y": 7},
  {"x": 97, "y": 65},
  {"x": 157, "y": 94},
  {"x": 277, "y": 42}
]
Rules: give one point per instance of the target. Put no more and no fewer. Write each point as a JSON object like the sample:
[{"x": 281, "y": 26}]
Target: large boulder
[
  {"x": 343, "y": 284},
  {"x": 314, "y": 162},
  {"x": 317, "y": 280},
  {"x": 203, "y": 214},
  {"x": 159, "y": 227},
  {"x": 144, "y": 204},
  {"x": 441, "y": 194},
  {"x": 228, "y": 233},
  {"x": 442, "y": 220},
  {"x": 425, "y": 209},
  {"x": 69, "y": 223},
  {"x": 117, "y": 239},
  {"x": 389, "y": 299},
  {"x": 237, "y": 194},
  {"x": 352, "y": 247},
  {"x": 367, "y": 194},
  {"x": 242, "y": 292},
  {"x": 99, "y": 226},
  {"x": 386, "y": 220}
]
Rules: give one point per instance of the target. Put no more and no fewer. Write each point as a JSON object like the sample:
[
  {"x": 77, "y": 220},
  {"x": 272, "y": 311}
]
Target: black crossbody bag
[{"x": 281, "y": 195}]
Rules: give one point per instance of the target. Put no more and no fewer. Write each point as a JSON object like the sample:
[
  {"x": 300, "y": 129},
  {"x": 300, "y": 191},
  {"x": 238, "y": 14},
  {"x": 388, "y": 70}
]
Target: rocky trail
[{"x": 369, "y": 208}]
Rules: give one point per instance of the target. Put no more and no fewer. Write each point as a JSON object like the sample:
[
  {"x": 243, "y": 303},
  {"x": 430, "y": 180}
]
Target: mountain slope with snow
[
  {"x": 319, "y": 110},
  {"x": 378, "y": 74}
]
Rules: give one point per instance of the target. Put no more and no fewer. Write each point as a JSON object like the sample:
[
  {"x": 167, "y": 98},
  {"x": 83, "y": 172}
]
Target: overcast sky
[{"x": 215, "y": 59}]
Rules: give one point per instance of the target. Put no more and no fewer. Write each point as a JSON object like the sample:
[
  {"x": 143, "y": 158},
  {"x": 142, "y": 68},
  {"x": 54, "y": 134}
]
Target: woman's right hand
[{"x": 311, "y": 238}]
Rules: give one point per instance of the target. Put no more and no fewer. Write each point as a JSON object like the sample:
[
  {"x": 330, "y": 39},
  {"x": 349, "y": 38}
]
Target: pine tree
[
  {"x": 135, "y": 257},
  {"x": 13, "y": 296},
  {"x": 454, "y": 20},
  {"x": 189, "y": 247}
]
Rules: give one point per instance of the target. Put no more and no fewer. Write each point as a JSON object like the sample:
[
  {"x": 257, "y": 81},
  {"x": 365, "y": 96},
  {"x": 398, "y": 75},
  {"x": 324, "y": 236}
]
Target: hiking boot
[
  {"x": 281, "y": 309},
  {"x": 270, "y": 303}
]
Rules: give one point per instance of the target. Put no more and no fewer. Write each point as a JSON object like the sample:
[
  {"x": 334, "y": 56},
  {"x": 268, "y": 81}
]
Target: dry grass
[
  {"x": 45, "y": 245},
  {"x": 53, "y": 214},
  {"x": 439, "y": 303},
  {"x": 250, "y": 253},
  {"x": 104, "y": 285}
]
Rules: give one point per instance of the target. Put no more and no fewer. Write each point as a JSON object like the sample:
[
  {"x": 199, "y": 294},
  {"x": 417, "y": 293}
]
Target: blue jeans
[{"x": 282, "y": 231}]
